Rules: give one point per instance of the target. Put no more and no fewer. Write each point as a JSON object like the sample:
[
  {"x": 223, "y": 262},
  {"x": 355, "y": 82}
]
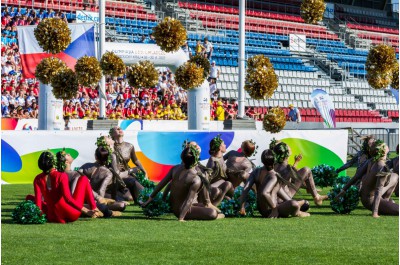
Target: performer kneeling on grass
[
  {"x": 186, "y": 183},
  {"x": 124, "y": 152},
  {"x": 53, "y": 195},
  {"x": 290, "y": 173},
  {"x": 219, "y": 180},
  {"x": 238, "y": 164},
  {"x": 378, "y": 183},
  {"x": 269, "y": 187}
]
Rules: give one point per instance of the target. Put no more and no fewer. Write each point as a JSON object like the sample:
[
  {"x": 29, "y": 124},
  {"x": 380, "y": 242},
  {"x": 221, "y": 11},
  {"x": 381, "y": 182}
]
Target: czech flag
[{"x": 82, "y": 43}]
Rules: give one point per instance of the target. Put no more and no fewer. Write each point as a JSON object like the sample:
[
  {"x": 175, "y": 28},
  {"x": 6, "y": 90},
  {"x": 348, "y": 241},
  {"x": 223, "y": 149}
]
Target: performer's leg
[
  {"x": 388, "y": 208},
  {"x": 390, "y": 188},
  {"x": 201, "y": 213},
  {"x": 306, "y": 175},
  {"x": 223, "y": 189},
  {"x": 134, "y": 187},
  {"x": 292, "y": 208},
  {"x": 83, "y": 193},
  {"x": 117, "y": 206}
]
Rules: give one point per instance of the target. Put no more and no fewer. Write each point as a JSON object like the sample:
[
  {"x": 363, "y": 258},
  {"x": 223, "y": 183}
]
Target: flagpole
[{"x": 102, "y": 38}]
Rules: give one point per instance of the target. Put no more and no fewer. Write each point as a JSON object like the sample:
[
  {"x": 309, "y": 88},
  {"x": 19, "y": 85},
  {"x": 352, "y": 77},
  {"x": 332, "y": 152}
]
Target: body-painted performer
[
  {"x": 362, "y": 156},
  {"x": 53, "y": 195},
  {"x": 107, "y": 206},
  {"x": 238, "y": 164},
  {"x": 394, "y": 165},
  {"x": 186, "y": 183},
  {"x": 378, "y": 183},
  {"x": 292, "y": 174},
  {"x": 219, "y": 179},
  {"x": 124, "y": 152},
  {"x": 269, "y": 187}
]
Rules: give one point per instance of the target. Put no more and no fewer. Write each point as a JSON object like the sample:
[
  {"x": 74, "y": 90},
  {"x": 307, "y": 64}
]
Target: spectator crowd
[{"x": 166, "y": 101}]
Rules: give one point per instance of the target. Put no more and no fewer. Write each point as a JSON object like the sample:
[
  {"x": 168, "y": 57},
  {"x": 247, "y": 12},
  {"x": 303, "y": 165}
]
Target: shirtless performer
[
  {"x": 100, "y": 176},
  {"x": 124, "y": 152},
  {"x": 269, "y": 187},
  {"x": 378, "y": 183},
  {"x": 394, "y": 165},
  {"x": 291, "y": 173},
  {"x": 219, "y": 179},
  {"x": 238, "y": 164},
  {"x": 186, "y": 183},
  {"x": 362, "y": 156}
]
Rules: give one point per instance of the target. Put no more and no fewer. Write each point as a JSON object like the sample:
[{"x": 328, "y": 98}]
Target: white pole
[
  {"x": 102, "y": 40},
  {"x": 242, "y": 58},
  {"x": 50, "y": 110}
]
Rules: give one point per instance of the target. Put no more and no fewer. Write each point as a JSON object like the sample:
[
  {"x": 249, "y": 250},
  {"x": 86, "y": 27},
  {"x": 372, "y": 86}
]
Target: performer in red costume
[{"x": 53, "y": 195}]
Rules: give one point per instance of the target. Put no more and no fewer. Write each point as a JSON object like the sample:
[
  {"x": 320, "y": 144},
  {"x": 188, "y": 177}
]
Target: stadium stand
[{"x": 334, "y": 59}]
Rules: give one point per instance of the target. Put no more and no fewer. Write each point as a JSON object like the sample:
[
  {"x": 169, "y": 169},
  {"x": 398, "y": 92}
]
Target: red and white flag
[{"x": 82, "y": 43}]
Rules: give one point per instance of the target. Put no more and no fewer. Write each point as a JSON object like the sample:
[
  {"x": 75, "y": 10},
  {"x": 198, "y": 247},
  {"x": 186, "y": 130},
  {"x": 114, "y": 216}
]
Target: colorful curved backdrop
[{"x": 159, "y": 151}]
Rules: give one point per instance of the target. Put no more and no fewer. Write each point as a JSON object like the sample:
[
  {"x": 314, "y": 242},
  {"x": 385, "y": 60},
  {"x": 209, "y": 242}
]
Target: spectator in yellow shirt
[{"x": 220, "y": 112}]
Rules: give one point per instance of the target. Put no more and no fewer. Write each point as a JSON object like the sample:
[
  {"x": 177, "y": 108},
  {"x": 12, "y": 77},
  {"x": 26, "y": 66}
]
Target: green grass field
[{"x": 323, "y": 238}]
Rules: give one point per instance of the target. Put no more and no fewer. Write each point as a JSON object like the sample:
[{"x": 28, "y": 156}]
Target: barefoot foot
[{"x": 319, "y": 199}]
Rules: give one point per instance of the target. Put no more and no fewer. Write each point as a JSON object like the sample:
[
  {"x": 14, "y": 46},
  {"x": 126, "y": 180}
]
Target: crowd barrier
[{"x": 159, "y": 151}]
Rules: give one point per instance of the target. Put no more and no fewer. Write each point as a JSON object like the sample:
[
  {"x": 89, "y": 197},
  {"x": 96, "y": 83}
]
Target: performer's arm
[
  {"x": 38, "y": 194},
  {"x": 247, "y": 187},
  {"x": 361, "y": 171},
  {"x": 136, "y": 161},
  {"x": 226, "y": 156},
  {"x": 350, "y": 163},
  {"x": 160, "y": 186}
]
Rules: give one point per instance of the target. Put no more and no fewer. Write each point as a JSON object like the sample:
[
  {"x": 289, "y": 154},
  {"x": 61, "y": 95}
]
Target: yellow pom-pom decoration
[
  {"x": 275, "y": 120},
  {"x": 261, "y": 80},
  {"x": 111, "y": 64},
  {"x": 312, "y": 11},
  {"x": 88, "y": 70},
  {"x": 381, "y": 59},
  {"x": 379, "y": 80},
  {"x": 202, "y": 62},
  {"x": 258, "y": 61},
  {"x": 189, "y": 76},
  {"x": 170, "y": 34},
  {"x": 142, "y": 74},
  {"x": 65, "y": 84},
  {"x": 48, "y": 68},
  {"x": 53, "y": 35},
  {"x": 395, "y": 78}
]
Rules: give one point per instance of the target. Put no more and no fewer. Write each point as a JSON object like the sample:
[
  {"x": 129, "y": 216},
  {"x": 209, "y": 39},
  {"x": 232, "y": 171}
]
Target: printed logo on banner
[{"x": 323, "y": 103}]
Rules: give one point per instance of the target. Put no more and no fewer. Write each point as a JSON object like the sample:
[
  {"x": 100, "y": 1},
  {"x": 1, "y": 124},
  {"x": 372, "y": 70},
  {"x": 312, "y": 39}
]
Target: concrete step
[{"x": 101, "y": 124}]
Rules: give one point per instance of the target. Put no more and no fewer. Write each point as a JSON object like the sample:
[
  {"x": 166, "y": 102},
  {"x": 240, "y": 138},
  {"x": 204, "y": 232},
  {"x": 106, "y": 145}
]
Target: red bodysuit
[{"x": 57, "y": 202}]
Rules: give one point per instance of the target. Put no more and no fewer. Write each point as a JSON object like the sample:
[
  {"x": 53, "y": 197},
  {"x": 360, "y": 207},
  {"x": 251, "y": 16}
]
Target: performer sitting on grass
[
  {"x": 219, "y": 179},
  {"x": 186, "y": 183},
  {"x": 362, "y": 156},
  {"x": 53, "y": 195},
  {"x": 124, "y": 152},
  {"x": 292, "y": 174},
  {"x": 269, "y": 187},
  {"x": 238, "y": 164},
  {"x": 378, "y": 183},
  {"x": 107, "y": 206}
]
